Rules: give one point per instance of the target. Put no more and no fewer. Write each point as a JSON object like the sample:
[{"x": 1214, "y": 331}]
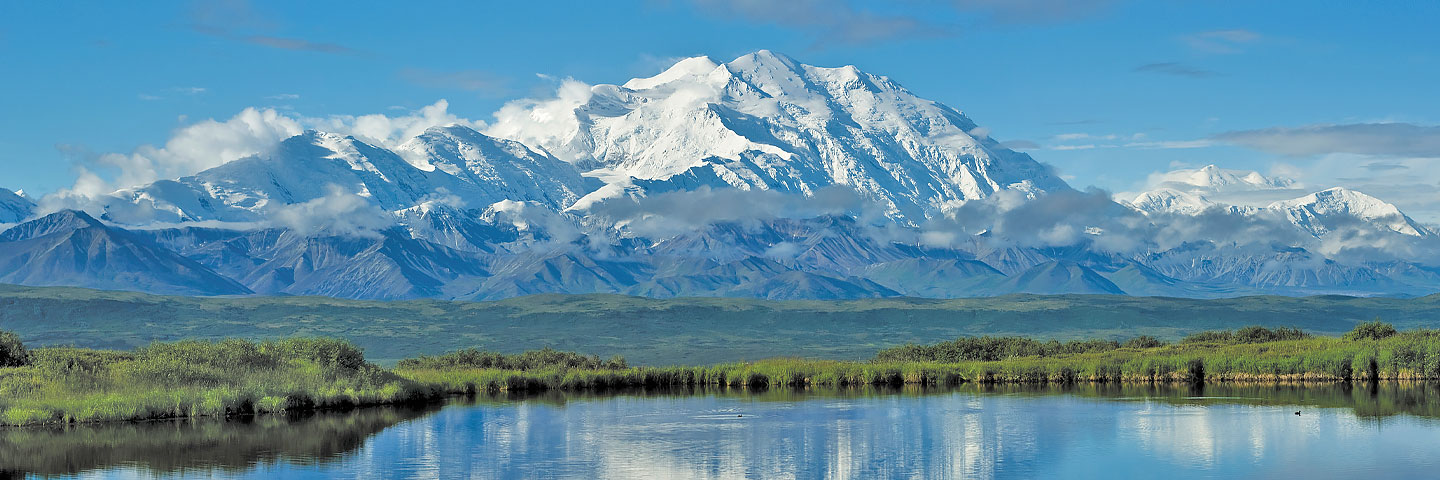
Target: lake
[{"x": 1085, "y": 431}]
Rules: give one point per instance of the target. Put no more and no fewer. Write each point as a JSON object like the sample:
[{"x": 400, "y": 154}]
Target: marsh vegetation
[{"x": 239, "y": 377}]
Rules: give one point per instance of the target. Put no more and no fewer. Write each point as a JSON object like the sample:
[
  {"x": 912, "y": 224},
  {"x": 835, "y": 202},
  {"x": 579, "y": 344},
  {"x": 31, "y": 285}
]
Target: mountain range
[{"x": 759, "y": 177}]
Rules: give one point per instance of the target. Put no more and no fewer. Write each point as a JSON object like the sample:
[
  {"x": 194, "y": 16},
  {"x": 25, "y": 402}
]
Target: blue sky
[{"x": 1107, "y": 91}]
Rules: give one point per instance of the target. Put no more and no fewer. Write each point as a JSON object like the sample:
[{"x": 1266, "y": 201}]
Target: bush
[
  {"x": 1143, "y": 341},
  {"x": 1372, "y": 330},
  {"x": 1251, "y": 334},
  {"x": 531, "y": 360},
  {"x": 989, "y": 349},
  {"x": 327, "y": 352},
  {"x": 12, "y": 352}
]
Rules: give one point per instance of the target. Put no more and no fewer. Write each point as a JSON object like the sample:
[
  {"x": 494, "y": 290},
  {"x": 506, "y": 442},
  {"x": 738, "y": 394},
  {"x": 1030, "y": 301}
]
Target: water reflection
[
  {"x": 196, "y": 447},
  {"x": 1098, "y": 431}
]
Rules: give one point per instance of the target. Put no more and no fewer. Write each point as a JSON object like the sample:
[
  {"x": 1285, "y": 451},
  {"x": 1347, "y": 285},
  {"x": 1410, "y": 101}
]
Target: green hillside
[{"x": 670, "y": 331}]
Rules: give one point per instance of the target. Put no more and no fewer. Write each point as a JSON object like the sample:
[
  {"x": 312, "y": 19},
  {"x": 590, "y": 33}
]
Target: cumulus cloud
[
  {"x": 390, "y": 131},
  {"x": 211, "y": 143},
  {"x": 1061, "y": 218},
  {"x": 337, "y": 213},
  {"x": 1382, "y": 139},
  {"x": 549, "y": 122},
  {"x": 190, "y": 149}
]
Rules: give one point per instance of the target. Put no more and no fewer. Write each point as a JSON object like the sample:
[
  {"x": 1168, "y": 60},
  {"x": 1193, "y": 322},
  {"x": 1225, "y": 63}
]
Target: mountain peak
[
  {"x": 685, "y": 68},
  {"x": 14, "y": 206},
  {"x": 61, "y": 221},
  {"x": 1314, "y": 211},
  {"x": 766, "y": 59},
  {"x": 767, "y": 122},
  {"x": 1214, "y": 178}
]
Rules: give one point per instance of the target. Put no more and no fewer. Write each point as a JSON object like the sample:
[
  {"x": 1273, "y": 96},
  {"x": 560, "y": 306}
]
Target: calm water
[{"x": 1085, "y": 432}]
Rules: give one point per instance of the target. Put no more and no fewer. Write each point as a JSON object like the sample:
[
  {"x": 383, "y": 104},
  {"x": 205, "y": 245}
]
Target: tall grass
[{"x": 196, "y": 378}]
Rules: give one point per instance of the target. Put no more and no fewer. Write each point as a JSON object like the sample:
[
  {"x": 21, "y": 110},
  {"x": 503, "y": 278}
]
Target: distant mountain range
[{"x": 761, "y": 177}]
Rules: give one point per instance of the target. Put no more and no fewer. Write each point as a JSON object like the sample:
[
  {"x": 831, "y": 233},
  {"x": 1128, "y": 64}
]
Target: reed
[{"x": 234, "y": 377}]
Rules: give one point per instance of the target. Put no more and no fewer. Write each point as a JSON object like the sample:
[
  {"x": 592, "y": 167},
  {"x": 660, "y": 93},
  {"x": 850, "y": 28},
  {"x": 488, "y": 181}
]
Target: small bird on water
[{"x": 1297, "y": 413}]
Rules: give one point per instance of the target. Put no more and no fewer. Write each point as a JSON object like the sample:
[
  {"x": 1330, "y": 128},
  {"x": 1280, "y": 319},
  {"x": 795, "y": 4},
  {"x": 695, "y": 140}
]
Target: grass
[
  {"x": 682, "y": 331},
  {"x": 195, "y": 379},
  {"x": 240, "y": 377}
]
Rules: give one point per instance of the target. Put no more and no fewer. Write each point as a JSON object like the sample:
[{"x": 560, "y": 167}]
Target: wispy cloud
[
  {"x": 1176, "y": 69},
  {"x": 295, "y": 44},
  {"x": 1221, "y": 41},
  {"x": 283, "y": 96},
  {"x": 828, "y": 21},
  {"x": 1384, "y": 166},
  {"x": 468, "y": 80},
  {"x": 1172, "y": 144},
  {"x": 853, "y": 22},
  {"x": 1035, "y": 11},
  {"x": 1020, "y": 145},
  {"x": 1379, "y": 139},
  {"x": 240, "y": 21}
]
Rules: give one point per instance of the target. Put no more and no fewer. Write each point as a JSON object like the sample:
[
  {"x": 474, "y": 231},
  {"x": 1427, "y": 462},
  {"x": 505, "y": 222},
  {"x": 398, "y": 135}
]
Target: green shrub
[
  {"x": 987, "y": 349},
  {"x": 1143, "y": 341},
  {"x": 1251, "y": 334},
  {"x": 1372, "y": 330},
  {"x": 12, "y": 352},
  {"x": 545, "y": 358}
]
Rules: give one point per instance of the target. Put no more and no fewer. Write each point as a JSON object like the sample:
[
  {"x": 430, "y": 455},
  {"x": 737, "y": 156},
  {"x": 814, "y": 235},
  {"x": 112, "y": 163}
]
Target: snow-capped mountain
[
  {"x": 1172, "y": 201},
  {"x": 1317, "y": 214},
  {"x": 703, "y": 181},
  {"x": 14, "y": 207},
  {"x": 454, "y": 164},
  {"x": 765, "y": 121},
  {"x": 1320, "y": 212},
  {"x": 1211, "y": 178}
]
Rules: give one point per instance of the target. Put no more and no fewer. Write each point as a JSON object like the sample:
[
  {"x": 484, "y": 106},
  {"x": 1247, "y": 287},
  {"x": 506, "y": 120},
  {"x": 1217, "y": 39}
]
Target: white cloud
[
  {"x": 390, "y": 131},
  {"x": 550, "y": 121},
  {"x": 211, "y": 143},
  {"x": 337, "y": 213},
  {"x": 192, "y": 148},
  {"x": 673, "y": 213}
]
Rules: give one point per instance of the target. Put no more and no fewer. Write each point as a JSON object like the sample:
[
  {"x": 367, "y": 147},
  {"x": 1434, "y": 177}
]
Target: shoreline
[{"x": 193, "y": 379}]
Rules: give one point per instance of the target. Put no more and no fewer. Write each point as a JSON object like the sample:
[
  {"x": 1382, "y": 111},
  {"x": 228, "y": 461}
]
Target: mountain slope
[
  {"x": 1059, "y": 278},
  {"x": 1324, "y": 211},
  {"x": 764, "y": 121},
  {"x": 760, "y": 177},
  {"x": 71, "y": 248},
  {"x": 13, "y": 207},
  {"x": 460, "y": 166}
]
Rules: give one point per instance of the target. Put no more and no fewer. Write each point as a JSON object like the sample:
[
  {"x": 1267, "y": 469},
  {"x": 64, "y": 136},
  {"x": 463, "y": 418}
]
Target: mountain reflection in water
[{"x": 971, "y": 431}]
